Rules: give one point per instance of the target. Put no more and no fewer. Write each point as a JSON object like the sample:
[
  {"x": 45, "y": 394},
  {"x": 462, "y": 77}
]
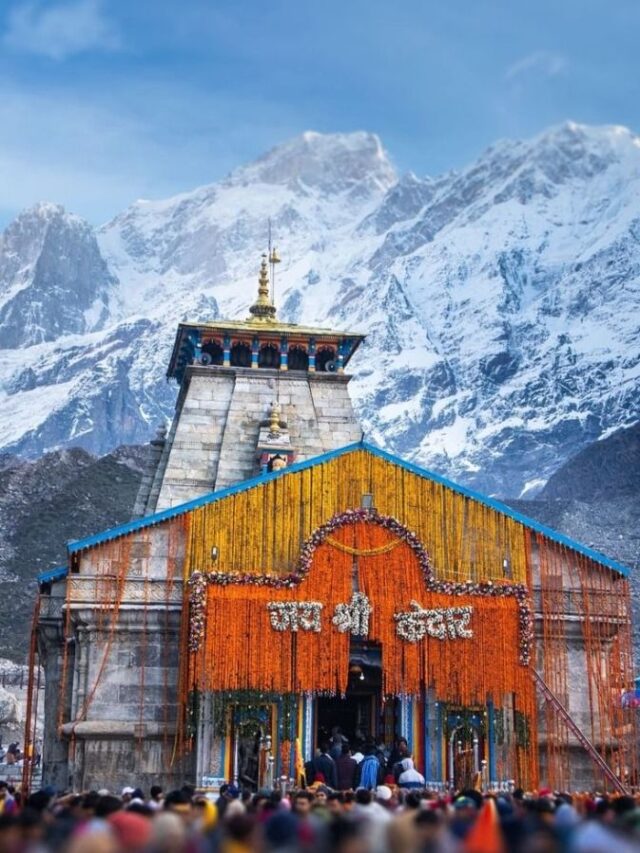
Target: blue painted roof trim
[
  {"x": 53, "y": 574},
  {"x": 212, "y": 497},
  {"x": 499, "y": 506}
]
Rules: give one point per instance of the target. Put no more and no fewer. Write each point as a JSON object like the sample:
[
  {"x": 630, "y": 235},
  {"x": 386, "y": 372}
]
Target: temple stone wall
[
  {"x": 120, "y": 702},
  {"x": 583, "y": 775},
  {"x": 149, "y": 555},
  {"x": 55, "y": 750},
  {"x": 213, "y": 443},
  {"x": 117, "y": 762}
]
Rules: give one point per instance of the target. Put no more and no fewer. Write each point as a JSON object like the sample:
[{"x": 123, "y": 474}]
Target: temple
[{"x": 283, "y": 577}]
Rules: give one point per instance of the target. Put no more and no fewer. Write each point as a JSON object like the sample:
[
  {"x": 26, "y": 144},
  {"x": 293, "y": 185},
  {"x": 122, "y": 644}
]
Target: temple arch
[{"x": 240, "y": 354}]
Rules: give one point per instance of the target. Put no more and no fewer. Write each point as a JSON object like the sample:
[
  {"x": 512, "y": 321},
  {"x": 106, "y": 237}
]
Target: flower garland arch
[{"x": 198, "y": 581}]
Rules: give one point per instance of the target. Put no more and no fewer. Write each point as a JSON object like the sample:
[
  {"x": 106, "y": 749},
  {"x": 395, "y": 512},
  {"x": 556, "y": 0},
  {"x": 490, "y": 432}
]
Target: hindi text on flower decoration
[
  {"x": 295, "y": 615},
  {"x": 441, "y": 623},
  {"x": 354, "y": 616}
]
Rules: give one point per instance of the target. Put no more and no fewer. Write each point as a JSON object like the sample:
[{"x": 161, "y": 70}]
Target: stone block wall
[
  {"x": 213, "y": 440},
  {"x": 119, "y": 708}
]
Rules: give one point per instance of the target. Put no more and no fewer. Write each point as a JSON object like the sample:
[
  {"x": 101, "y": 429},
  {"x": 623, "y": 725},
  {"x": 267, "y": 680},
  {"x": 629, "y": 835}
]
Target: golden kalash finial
[
  {"x": 274, "y": 419},
  {"x": 263, "y": 310}
]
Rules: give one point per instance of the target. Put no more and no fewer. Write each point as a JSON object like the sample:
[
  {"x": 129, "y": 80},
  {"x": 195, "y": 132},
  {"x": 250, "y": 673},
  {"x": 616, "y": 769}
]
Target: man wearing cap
[
  {"x": 127, "y": 793},
  {"x": 384, "y": 797}
]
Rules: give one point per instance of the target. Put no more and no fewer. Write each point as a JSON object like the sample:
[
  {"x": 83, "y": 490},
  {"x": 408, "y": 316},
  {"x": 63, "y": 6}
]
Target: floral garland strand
[
  {"x": 198, "y": 581},
  {"x": 197, "y": 584}
]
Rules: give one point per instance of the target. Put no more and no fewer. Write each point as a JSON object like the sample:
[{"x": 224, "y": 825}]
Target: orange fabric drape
[
  {"x": 242, "y": 651},
  {"x": 462, "y": 670},
  {"x": 586, "y": 624}
]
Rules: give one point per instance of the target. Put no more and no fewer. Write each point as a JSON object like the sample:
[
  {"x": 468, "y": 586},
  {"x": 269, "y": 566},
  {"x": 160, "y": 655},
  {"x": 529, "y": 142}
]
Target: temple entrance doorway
[
  {"x": 466, "y": 747},
  {"x": 355, "y": 716},
  {"x": 359, "y": 714}
]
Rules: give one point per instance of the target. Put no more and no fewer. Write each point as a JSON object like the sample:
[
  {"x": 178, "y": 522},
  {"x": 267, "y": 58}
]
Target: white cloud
[
  {"x": 60, "y": 30},
  {"x": 540, "y": 63}
]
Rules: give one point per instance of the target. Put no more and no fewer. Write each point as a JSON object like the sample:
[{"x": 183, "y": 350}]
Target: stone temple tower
[{"x": 255, "y": 396}]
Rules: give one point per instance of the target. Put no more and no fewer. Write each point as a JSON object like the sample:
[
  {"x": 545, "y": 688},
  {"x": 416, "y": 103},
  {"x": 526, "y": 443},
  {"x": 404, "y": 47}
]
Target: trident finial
[{"x": 263, "y": 310}]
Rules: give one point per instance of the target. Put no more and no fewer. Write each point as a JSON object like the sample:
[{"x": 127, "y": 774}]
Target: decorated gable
[{"x": 361, "y": 575}]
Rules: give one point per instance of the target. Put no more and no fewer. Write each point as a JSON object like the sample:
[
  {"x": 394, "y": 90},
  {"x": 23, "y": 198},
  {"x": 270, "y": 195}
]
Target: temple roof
[
  {"x": 262, "y": 323},
  {"x": 165, "y": 515},
  {"x": 277, "y": 327},
  {"x": 188, "y": 333}
]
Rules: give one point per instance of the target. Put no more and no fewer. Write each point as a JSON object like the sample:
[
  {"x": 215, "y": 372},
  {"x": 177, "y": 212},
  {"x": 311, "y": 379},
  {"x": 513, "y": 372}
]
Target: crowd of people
[
  {"x": 365, "y": 765},
  {"x": 385, "y": 819}
]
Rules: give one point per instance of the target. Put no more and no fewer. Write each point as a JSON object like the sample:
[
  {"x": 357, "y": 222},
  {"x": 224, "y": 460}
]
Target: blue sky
[{"x": 106, "y": 101}]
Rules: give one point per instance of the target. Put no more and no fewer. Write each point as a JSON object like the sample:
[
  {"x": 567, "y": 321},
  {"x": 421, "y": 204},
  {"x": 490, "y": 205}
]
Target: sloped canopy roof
[{"x": 165, "y": 515}]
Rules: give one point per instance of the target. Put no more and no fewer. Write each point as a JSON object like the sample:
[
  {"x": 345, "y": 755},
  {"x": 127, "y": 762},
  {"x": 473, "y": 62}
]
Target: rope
[{"x": 31, "y": 718}]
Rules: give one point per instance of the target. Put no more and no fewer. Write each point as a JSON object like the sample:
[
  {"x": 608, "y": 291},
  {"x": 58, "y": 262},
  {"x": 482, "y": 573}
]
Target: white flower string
[
  {"x": 441, "y": 623},
  {"x": 294, "y": 615},
  {"x": 354, "y": 616}
]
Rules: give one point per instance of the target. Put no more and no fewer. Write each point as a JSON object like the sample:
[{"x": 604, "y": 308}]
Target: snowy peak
[
  {"x": 53, "y": 280},
  {"x": 573, "y": 138},
  {"x": 588, "y": 172},
  {"x": 306, "y": 187},
  {"x": 22, "y": 241},
  {"x": 500, "y": 301},
  {"x": 331, "y": 163},
  {"x": 402, "y": 202},
  {"x": 560, "y": 155}
]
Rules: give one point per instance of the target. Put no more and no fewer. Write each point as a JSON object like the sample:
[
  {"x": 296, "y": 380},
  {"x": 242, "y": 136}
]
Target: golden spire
[{"x": 263, "y": 310}]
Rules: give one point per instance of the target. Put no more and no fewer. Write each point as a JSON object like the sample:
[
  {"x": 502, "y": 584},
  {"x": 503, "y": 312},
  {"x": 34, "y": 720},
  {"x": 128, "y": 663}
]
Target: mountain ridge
[{"x": 499, "y": 300}]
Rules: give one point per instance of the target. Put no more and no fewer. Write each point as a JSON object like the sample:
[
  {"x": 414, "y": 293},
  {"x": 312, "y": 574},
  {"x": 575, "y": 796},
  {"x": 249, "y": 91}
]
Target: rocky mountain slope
[
  {"x": 502, "y": 303},
  {"x": 595, "y": 499},
  {"x": 67, "y": 494},
  {"x": 54, "y": 280}
]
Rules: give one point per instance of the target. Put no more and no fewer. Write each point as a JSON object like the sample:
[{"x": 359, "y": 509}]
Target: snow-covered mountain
[
  {"x": 502, "y": 302},
  {"x": 53, "y": 280}
]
